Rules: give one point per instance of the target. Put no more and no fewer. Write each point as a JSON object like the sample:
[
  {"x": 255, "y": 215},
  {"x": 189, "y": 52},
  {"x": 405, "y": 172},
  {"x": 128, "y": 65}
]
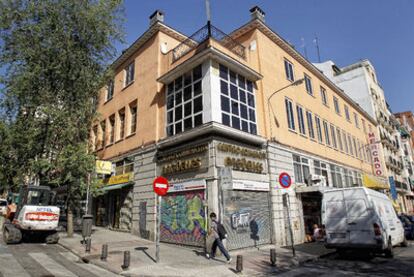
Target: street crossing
[{"x": 26, "y": 260}]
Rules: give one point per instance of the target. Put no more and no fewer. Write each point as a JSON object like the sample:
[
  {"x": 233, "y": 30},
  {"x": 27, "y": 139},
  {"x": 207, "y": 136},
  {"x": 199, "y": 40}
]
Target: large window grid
[
  {"x": 301, "y": 168},
  {"x": 237, "y": 101},
  {"x": 185, "y": 102},
  {"x": 301, "y": 120}
]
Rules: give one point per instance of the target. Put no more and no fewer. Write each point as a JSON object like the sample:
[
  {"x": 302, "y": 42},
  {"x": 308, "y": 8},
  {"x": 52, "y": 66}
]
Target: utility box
[{"x": 87, "y": 225}]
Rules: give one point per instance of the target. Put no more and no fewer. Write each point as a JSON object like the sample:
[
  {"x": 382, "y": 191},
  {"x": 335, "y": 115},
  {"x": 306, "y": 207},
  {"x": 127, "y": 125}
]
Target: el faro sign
[{"x": 375, "y": 149}]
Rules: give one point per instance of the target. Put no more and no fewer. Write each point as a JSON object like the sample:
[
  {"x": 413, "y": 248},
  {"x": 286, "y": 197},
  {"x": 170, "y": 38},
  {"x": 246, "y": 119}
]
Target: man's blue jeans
[{"x": 219, "y": 243}]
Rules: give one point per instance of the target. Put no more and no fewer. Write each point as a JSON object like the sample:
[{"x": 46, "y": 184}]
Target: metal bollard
[
  {"x": 239, "y": 264},
  {"x": 88, "y": 245},
  {"x": 127, "y": 259},
  {"x": 273, "y": 257},
  {"x": 104, "y": 253}
]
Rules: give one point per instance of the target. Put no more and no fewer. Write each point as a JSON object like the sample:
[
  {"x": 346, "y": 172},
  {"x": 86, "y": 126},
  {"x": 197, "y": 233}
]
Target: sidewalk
[{"x": 176, "y": 260}]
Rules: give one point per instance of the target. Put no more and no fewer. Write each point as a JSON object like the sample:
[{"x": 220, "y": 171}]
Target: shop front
[
  {"x": 183, "y": 209},
  {"x": 113, "y": 208},
  {"x": 244, "y": 194}
]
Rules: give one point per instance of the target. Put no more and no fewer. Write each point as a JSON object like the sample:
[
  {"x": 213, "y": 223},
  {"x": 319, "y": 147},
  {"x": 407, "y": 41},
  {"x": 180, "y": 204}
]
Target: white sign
[
  {"x": 375, "y": 149},
  {"x": 226, "y": 177},
  {"x": 250, "y": 185},
  {"x": 188, "y": 185}
]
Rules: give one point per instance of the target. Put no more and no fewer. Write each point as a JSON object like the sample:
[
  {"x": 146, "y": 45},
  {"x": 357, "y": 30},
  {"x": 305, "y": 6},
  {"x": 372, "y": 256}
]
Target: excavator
[{"x": 32, "y": 217}]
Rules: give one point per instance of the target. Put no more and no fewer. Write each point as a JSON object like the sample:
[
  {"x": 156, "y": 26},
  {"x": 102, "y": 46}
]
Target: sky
[{"x": 348, "y": 31}]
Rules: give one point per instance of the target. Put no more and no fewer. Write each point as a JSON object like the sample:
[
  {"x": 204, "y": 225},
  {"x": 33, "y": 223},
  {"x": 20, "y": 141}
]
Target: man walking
[{"x": 218, "y": 232}]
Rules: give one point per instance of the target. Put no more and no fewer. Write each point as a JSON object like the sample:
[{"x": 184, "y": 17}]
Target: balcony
[{"x": 202, "y": 35}]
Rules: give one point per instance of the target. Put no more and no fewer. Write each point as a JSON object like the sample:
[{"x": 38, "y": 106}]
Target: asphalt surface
[
  {"x": 356, "y": 265},
  {"x": 39, "y": 259}
]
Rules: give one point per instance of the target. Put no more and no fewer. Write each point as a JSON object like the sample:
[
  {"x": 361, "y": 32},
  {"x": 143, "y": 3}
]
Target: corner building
[{"x": 201, "y": 111}]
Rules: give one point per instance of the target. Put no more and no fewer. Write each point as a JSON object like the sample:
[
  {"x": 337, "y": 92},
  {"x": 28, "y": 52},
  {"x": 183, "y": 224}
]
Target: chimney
[
  {"x": 156, "y": 16},
  {"x": 257, "y": 13}
]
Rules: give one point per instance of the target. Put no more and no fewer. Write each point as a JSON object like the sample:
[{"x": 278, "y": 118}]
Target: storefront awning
[
  {"x": 373, "y": 182},
  {"x": 118, "y": 186}
]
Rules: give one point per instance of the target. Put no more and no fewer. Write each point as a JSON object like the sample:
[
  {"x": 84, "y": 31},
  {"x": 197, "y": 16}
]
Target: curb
[{"x": 85, "y": 259}]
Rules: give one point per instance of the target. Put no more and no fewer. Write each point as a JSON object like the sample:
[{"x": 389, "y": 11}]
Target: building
[
  {"x": 360, "y": 82},
  {"x": 222, "y": 117}
]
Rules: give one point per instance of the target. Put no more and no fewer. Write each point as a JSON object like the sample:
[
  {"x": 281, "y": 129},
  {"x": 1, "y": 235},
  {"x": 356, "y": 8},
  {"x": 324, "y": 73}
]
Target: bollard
[
  {"x": 127, "y": 259},
  {"x": 239, "y": 264},
  {"x": 273, "y": 257},
  {"x": 104, "y": 253},
  {"x": 88, "y": 245}
]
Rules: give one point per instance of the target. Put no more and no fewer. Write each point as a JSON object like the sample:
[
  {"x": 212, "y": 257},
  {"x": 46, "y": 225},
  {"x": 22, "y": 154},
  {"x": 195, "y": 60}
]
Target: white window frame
[
  {"x": 324, "y": 96},
  {"x": 110, "y": 90},
  {"x": 326, "y": 132},
  {"x": 356, "y": 120},
  {"x": 339, "y": 138},
  {"x": 333, "y": 136},
  {"x": 311, "y": 129},
  {"x": 290, "y": 114},
  {"x": 346, "y": 111},
  {"x": 308, "y": 84},
  {"x": 319, "y": 131},
  {"x": 301, "y": 120},
  {"x": 289, "y": 72},
  {"x": 336, "y": 105}
]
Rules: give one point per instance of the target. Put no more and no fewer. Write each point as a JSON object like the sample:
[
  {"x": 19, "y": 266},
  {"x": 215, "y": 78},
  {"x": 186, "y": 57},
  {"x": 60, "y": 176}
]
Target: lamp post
[{"x": 295, "y": 83}]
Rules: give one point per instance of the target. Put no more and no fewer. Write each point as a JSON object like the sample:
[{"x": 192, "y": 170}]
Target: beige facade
[{"x": 314, "y": 120}]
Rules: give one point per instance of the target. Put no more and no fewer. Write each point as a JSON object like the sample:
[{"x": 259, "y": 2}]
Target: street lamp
[{"x": 295, "y": 83}]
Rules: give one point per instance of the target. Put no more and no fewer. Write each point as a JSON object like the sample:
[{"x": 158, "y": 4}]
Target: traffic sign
[
  {"x": 160, "y": 186},
  {"x": 285, "y": 180}
]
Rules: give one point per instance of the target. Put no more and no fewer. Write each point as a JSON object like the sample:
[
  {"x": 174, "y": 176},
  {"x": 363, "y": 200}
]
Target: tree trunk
[{"x": 69, "y": 227}]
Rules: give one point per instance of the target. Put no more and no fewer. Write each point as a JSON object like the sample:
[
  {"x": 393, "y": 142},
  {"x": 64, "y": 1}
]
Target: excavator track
[{"x": 11, "y": 235}]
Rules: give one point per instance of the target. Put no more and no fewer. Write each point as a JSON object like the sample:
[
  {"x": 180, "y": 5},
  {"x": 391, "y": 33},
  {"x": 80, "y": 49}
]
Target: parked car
[
  {"x": 3, "y": 206},
  {"x": 408, "y": 225},
  {"x": 361, "y": 218}
]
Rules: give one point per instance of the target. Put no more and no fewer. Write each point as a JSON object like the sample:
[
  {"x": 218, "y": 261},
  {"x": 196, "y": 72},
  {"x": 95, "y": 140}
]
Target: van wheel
[
  {"x": 404, "y": 243},
  {"x": 389, "y": 253}
]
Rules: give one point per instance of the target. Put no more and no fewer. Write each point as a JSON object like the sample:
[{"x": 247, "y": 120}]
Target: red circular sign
[
  {"x": 160, "y": 186},
  {"x": 285, "y": 180}
]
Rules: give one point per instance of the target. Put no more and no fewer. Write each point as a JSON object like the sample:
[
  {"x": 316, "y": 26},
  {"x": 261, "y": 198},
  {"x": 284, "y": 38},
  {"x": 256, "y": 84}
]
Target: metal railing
[{"x": 206, "y": 32}]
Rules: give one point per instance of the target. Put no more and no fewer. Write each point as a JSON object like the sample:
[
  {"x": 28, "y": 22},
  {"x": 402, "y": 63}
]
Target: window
[
  {"x": 339, "y": 137},
  {"x": 301, "y": 121},
  {"x": 129, "y": 73},
  {"x": 308, "y": 84},
  {"x": 301, "y": 168},
  {"x": 345, "y": 142},
  {"x": 356, "y": 120},
  {"x": 310, "y": 124},
  {"x": 336, "y": 175},
  {"x": 348, "y": 177},
  {"x": 321, "y": 168},
  {"x": 364, "y": 127},
  {"x": 133, "y": 122},
  {"x": 326, "y": 132},
  {"x": 355, "y": 147},
  {"x": 121, "y": 124},
  {"x": 289, "y": 112},
  {"x": 318, "y": 128},
  {"x": 185, "y": 102},
  {"x": 110, "y": 90},
  {"x": 289, "y": 71},
  {"x": 370, "y": 128},
  {"x": 103, "y": 130},
  {"x": 324, "y": 96},
  {"x": 333, "y": 135},
  {"x": 112, "y": 129},
  {"x": 351, "y": 150},
  {"x": 347, "y": 116},
  {"x": 237, "y": 101},
  {"x": 336, "y": 105},
  {"x": 95, "y": 137},
  {"x": 124, "y": 166},
  {"x": 359, "y": 179}
]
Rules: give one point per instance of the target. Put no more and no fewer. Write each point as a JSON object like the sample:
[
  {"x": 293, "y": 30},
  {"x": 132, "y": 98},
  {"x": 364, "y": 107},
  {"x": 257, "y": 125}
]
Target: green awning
[{"x": 118, "y": 186}]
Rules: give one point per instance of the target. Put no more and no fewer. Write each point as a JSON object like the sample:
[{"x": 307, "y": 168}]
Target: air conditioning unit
[{"x": 316, "y": 180}]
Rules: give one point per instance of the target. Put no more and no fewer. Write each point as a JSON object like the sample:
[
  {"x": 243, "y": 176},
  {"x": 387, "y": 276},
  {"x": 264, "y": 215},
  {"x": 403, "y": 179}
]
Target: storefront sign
[
  {"x": 250, "y": 185},
  {"x": 241, "y": 158},
  {"x": 374, "y": 182},
  {"x": 187, "y": 185},
  {"x": 103, "y": 167},
  {"x": 375, "y": 149},
  {"x": 119, "y": 179},
  {"x": 226, "y": 177},
  {"x": 183, "y": 161}
]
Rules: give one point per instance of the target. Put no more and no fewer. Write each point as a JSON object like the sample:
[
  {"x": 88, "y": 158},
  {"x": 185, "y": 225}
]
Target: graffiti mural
[{"x": 183, "y": 218}]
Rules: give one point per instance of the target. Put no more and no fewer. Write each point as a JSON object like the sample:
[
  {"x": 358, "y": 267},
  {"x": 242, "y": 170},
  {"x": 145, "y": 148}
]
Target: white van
[{"x": 361, "y": 218}]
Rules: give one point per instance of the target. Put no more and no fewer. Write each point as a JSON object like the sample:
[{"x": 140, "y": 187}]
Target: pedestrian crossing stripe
[
  {"x": 9, "y": 267},
  {"x": 50, "y": 265}
]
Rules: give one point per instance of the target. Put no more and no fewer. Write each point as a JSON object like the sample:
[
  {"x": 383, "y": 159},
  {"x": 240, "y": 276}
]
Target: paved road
[
  {"x": 42, "y": 260},
  {"x": 401, "y": 265}
]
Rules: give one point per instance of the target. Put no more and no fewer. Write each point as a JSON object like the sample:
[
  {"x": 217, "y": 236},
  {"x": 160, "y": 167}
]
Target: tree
[{"x": 54, "y": 54}]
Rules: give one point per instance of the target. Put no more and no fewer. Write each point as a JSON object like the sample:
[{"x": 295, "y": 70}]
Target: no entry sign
[
  {"x": 160, "y": 186},
  {"x": 285, "y": 180}
]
